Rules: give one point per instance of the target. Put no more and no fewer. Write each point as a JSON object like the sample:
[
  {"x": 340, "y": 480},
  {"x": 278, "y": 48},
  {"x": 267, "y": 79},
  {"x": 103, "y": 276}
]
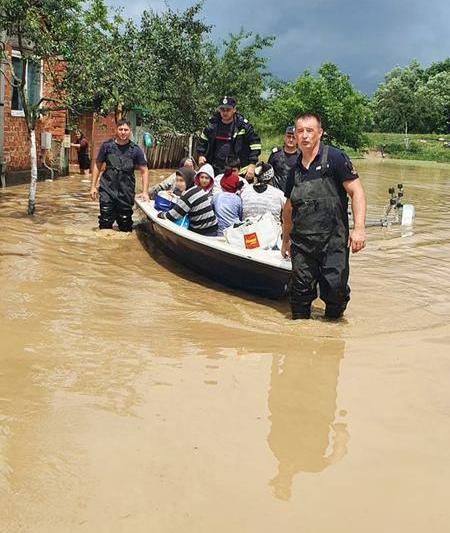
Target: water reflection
[{"x": 304, "y": 436}]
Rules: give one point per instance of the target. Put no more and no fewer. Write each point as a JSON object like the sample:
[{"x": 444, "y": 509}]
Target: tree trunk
[{"x": 34, "y": 175}]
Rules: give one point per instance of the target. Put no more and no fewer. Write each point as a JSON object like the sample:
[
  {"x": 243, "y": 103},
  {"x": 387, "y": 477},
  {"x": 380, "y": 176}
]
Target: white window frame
[{"x": 17, "y": 54}]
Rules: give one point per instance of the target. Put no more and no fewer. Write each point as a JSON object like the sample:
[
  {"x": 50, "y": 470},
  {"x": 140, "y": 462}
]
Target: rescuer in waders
[
  {"x": 117, "y": 159},
  {"x": 315, "y": 222},
  {"x": 229, "y": 135},
  {"x": 283, "y": 159}
]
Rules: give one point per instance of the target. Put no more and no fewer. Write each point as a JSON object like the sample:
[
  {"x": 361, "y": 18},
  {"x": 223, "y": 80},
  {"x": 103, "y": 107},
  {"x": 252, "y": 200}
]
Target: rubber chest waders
[
  {"x": 117, "y": 188},
  {"x": 319, "y": 240},
  {"x": 281, "y": 169}
]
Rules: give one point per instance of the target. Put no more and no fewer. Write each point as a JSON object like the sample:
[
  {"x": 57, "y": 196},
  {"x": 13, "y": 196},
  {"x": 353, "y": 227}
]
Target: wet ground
[{"x": 136, "y": 396}]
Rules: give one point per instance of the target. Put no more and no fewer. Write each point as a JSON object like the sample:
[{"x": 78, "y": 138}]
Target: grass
[{"x": 426, "y": 147}]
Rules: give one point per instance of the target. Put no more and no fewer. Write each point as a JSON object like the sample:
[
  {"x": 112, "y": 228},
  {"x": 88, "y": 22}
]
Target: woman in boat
[
  {"x": 262, "y": 197},
  {"x": 227, "y": 204},
  {"x": 196, "y": 203}
]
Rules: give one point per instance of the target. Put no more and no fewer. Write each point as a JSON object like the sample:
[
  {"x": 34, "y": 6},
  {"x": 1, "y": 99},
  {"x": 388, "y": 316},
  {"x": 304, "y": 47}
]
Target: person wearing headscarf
[{"x": 262, "y": 197}]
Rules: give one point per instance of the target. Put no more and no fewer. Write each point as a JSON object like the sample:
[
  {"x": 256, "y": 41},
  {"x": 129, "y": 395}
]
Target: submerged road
[{"x": 136, "y": 396}]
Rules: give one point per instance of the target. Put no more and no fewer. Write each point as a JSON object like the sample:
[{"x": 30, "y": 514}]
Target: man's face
[
  {"x": 227, "y": 114},
  {"x": 123, "y": 132},
  {"x": 290, "y": 141},
  {"x": 308, "y": 133}
]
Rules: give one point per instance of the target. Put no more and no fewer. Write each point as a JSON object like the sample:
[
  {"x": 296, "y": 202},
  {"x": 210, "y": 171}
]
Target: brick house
[{"x": 14, "y": 142}]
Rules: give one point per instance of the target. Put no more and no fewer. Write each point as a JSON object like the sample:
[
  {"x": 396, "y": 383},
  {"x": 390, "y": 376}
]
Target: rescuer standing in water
[
  {"x": 315, "y": 222},
  {"x": 118, "y": 158}
]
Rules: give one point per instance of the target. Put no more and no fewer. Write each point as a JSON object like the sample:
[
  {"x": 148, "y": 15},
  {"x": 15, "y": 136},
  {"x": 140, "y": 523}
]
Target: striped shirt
[{"x": 195, "y": 203}]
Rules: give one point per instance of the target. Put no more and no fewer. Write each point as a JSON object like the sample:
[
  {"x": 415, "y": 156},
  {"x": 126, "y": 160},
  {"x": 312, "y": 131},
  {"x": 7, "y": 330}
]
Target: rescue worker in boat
[
  {"x": 315, "y": 222},
  {"x": 229, "y": 134},
  {"x": 117, "y": 159},
  {"x": 283, "y": 159}
]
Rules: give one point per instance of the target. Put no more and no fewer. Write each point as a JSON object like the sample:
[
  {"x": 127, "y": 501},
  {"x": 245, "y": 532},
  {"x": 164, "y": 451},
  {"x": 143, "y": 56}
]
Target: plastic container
[
  {"x": 408, "y": 215},
  {"x": 183, "y": 222},
  {"x": 162, "y": 202}
]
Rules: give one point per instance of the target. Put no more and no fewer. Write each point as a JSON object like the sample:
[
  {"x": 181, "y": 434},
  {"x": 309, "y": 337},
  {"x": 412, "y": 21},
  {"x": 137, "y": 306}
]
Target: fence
[{"x": 169, "y": 150}]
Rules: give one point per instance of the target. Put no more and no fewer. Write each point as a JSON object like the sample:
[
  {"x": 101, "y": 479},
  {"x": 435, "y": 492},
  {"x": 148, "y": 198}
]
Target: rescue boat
[{"x": 262, "y": 272}]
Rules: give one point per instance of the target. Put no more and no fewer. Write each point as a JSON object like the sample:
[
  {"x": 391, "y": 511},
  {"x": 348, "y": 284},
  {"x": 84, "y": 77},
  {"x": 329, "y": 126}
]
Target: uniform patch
[{"x": 275, "y": 150}]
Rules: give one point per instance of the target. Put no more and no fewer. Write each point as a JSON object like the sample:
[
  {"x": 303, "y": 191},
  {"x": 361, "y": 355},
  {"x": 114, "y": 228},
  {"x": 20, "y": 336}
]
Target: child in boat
[
  {"x": 184, "y": 179},
  {"x": 205, "y": 178},
  {"x": 169, "y": 183},
  {"x": 196, "y": 203},
  {"x": 262, "y": 197},
  {"x": 227, "y": 204}
]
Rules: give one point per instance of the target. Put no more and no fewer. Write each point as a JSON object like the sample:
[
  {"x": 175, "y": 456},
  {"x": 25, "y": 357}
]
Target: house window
[{"x": 33, "y": 83}]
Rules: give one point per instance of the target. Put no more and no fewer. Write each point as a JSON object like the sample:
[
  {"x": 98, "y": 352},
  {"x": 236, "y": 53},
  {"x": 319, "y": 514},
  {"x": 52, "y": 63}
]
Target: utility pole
[{"x": 2, "y": 119}]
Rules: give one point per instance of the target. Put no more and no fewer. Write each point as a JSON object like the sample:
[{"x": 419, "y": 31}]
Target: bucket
[{"x": 162, "y": 202}]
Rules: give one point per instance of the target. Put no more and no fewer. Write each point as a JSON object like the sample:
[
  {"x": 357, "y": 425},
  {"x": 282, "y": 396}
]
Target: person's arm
[
  {"x": 144, "y": 177},
  {"x": 75, "y": 145},
  {"x": 180, "y": 209},
  {"x": 254, "y": 144},
  {"x": 287, "y": 228},
  {"x": 95, "y": 174},
  {"x": 202, "y": 147},
  {"x": 357, "y": 238}
]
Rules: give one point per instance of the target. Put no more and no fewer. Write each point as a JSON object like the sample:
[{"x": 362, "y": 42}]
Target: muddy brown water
[{"x": 136, "y": 396}]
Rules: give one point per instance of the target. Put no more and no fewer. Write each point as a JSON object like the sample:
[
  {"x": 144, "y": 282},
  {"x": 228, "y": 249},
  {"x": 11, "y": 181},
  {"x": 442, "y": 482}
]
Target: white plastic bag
[{"x": 260, "y": 233}]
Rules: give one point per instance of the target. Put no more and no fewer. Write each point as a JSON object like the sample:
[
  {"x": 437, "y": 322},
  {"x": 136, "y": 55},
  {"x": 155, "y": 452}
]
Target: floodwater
[{"x": 136, "y": 396}]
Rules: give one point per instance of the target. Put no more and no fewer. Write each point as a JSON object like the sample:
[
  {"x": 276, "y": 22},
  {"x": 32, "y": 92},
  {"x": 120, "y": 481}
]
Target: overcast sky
[{"x": 365, "y": 38}]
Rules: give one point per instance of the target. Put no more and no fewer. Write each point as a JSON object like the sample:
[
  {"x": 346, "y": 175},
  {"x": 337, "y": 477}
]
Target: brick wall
[
  {"x": 16, "y": 140},
  {"x": 96, "y": 130}
]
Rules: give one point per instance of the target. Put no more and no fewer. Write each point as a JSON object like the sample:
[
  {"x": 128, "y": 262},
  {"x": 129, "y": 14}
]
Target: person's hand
[
  {"x": 357, "y": 240},
  {"x": 250, "y": 175},
  {"x": 161, "y": 214},
  {"x": 201, "y": 160},
  {"x": 94, "y": 193},
  {"x": 143, "y": 196},
  {"x": 286, "y": 249}
]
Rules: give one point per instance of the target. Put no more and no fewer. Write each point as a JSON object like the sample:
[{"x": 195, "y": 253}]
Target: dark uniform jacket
[{"x": 245, "y": 143}]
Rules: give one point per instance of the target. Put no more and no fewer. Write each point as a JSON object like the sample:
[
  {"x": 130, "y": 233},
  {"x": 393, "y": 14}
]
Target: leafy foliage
[
  {"x": 414, "y": 98},
  {"x": 344, "y": 111}
]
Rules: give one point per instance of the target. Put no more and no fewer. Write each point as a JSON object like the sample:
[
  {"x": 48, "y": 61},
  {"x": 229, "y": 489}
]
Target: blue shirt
[
  {"x": 135, "y": 153},
  {"x": 228, "y": 209}
]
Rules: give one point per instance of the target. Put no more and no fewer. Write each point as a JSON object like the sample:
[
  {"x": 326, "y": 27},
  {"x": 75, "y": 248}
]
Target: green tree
[
  {"x": 238, "y": 68},
  {"x": 41, "y": 32},
  {"x": 344, "y": 111},
  {"x": 433, "y": 103},
  {"x": 394, "y": 102},
  {"x": 171, "y": 48},
  {"x": 413, "y": 99},
  {"x": 104, "y": 71}
]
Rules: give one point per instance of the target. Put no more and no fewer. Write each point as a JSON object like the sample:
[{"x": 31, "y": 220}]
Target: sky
[{"x": 364, "y": 38}]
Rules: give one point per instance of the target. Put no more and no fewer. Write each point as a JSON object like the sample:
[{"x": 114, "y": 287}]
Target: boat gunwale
[{"x": 211, "y": 242}]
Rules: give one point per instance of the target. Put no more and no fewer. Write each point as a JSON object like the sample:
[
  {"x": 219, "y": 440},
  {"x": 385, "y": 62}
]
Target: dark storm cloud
[{"x": 366, "y": 39}]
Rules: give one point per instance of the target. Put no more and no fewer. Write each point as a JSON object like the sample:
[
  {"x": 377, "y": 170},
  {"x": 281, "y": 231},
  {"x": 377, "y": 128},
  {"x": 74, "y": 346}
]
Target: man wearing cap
[
  {"x": 316, "y": 231},
  {"x": 283, "y": 159},
  {"x": 229, "y": 134}
]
